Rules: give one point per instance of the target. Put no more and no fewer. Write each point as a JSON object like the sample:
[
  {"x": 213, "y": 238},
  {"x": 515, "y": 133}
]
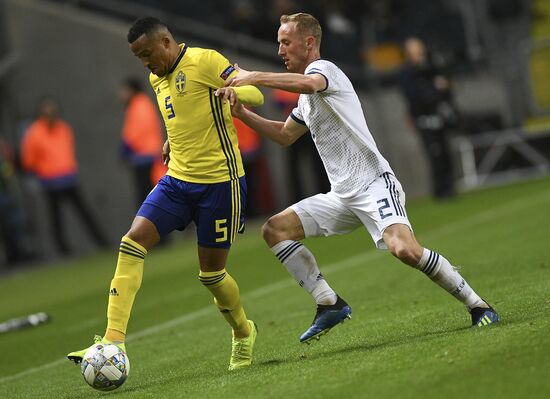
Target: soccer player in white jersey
[{"x": 364, "y": 189}]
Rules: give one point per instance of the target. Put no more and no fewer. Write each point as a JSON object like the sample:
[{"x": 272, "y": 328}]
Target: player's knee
[
  {"x": 269, "y": 231},
  {"x": 144, "y": 232},
  {"x": 273, "y": 230},
  {"x": 403, "y": 245},
  {"x": 134, "y": 236},
  {"x": 147, "y": 241},
  {"x": 405, "y": 253}
]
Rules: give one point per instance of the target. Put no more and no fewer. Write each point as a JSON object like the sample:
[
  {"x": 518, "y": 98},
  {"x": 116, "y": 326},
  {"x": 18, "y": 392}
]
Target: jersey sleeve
[
  {"x": 249, "y": 95},
  {"x": 329, "y": 71},
  {"x": 297, "y": 116},
  {"x": 216, "y": 69}
]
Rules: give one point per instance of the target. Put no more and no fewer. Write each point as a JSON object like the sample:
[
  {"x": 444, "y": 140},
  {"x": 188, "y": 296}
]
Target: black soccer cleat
[{"x": 484, "y": 316}]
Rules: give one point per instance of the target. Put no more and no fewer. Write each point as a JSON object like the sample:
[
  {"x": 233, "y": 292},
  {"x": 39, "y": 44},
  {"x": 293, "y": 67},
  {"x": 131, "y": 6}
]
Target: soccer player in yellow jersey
[{"x": 204, "y": 184}]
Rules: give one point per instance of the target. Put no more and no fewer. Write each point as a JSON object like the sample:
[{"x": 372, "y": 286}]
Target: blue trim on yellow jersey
[
  {"x": 227, "y": 148},
  {"x": 225, "y": 141},
  {"x": 178, "y": 59}
]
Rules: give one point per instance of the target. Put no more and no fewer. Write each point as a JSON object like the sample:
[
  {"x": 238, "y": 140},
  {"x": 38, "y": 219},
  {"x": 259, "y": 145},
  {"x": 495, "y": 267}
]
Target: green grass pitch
[{"x": 407, "y": 338}]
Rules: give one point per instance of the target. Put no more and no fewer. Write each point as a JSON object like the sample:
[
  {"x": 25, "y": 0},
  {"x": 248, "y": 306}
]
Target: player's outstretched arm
[
  {"x": 283, "y": 133},
  {"x": 247, "y": 95},
  {"x": 294, "y": 82}
]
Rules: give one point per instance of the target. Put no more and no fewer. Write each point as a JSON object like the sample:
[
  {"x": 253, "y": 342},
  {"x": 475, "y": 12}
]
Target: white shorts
[{"x": 379, "y": 206}]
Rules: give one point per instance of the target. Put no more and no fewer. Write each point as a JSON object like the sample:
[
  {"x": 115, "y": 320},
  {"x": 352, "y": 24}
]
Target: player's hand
[
  {"x": 237, "y": 110},
  {"x": 242, "y": 78},
  {"x": 166, "y": 152},
  {"x": 227, "y": 94}
]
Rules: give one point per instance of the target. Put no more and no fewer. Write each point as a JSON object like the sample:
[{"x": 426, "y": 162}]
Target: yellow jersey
[{"x": 201, "y": 134}]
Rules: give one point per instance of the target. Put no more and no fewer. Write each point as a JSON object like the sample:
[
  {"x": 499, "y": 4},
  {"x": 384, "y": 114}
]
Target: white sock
[
  {"x": 447, "y": 277},
  {"x": 301, "y": 264}
]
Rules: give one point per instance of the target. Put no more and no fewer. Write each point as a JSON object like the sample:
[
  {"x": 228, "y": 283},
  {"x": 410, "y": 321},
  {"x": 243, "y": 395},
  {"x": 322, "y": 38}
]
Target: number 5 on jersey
[{"x": 169, "y": 108}]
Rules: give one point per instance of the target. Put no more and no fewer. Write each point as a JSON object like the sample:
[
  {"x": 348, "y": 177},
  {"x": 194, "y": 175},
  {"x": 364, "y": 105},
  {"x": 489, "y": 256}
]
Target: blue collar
[{"x": 182, "y": 52}]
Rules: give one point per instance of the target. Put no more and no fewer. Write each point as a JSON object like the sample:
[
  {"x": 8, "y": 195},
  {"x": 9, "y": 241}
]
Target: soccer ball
[{"x": 105, "y": 367}]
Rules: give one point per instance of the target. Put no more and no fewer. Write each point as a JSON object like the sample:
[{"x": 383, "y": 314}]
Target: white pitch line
[{"x": 353, "y": 261}]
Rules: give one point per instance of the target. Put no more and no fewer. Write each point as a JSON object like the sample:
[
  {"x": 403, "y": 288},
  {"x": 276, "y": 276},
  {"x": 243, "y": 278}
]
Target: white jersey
[{"x": 337, "y": 124}]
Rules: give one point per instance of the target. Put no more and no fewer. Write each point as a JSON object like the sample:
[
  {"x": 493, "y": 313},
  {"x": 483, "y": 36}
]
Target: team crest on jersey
[
  {"x": 227, "y": 71},
  {"x": 180, "y": 82}
]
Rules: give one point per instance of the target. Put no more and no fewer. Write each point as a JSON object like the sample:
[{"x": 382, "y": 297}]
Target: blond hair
[{"x": 306, "y": 25}]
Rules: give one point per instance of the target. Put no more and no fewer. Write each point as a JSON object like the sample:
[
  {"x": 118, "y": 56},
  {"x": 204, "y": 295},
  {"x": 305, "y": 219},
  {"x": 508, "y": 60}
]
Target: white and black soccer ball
[{"x": 105, "y": 367}]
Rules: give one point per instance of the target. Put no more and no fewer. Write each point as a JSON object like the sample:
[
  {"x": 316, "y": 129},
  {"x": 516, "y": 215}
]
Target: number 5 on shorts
[{"x": 221, "y": 228}]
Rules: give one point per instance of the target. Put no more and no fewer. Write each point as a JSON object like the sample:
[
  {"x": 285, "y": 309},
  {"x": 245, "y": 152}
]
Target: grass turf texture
[{"x": 407, "y": 339}]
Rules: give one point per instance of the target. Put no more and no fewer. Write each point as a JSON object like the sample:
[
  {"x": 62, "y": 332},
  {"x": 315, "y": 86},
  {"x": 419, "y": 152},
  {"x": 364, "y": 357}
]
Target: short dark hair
[{"x": 144, "y": 26}]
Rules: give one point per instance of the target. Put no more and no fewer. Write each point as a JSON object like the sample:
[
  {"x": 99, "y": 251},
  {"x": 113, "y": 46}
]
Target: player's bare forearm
[
  {"x": 294, "y": 82},
  {"x": 267, "y": 128},
  {"x": 283, "y": 133}
]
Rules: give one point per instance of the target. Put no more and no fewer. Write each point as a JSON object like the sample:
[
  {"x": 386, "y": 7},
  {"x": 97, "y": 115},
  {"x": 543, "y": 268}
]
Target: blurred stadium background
[{"x": 497, "y": 52}]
